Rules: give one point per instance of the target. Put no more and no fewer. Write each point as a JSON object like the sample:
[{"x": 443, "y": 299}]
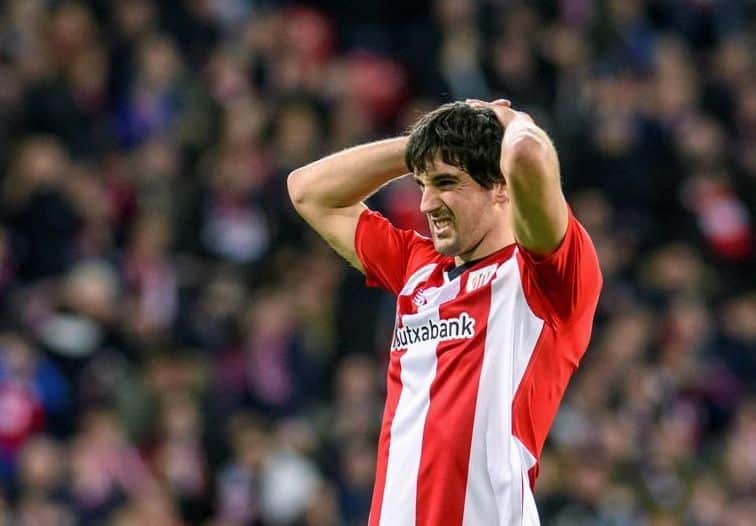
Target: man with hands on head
[{"x": 493, "y": 312}]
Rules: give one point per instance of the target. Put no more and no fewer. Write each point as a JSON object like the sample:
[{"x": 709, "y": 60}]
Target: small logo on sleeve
[{"x": 461, "y": 327}]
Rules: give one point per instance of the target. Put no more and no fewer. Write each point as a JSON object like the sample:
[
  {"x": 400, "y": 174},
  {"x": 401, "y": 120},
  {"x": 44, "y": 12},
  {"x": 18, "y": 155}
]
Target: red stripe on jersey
[
  {"x": 447, "y": 437},
  {"x": 555, "y": 357},
  {"x": 530, "y": 423},
  {"x": 393, "y": 390}
]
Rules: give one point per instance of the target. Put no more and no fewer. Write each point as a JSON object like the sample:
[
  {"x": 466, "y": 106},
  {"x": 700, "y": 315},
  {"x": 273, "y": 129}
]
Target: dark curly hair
[{"x": 460, "y": 135}]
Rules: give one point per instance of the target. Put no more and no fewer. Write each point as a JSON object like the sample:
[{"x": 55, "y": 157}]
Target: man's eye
[{"x": 445, "y": 182}]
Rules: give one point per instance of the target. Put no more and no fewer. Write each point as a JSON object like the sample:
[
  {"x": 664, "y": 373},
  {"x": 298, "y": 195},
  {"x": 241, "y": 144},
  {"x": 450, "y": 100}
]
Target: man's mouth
[{"x": 441, "y": 225}]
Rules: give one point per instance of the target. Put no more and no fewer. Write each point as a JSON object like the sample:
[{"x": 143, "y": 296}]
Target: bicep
[
  {"x": 539, "y": 209},
  {"x": 337, "y": 226},
  {"x": 564, "y": 285}
]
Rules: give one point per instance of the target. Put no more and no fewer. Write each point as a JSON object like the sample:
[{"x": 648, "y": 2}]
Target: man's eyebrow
[
  {"x": 434, "y": 177},
  {"x": 443, "y": 174}
]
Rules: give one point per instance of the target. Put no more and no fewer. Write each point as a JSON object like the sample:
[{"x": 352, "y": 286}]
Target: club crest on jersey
[
  {"x": 479, "y": 278},
  {"x": 459, "y": 328}
]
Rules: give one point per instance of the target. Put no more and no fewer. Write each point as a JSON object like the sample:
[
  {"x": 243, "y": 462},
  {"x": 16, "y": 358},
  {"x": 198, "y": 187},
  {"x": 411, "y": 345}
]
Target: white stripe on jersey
[
  {"x": 494, "y": 493},
  {"x": 418, "y": 369},
  {"x": 419, "y": 276}
]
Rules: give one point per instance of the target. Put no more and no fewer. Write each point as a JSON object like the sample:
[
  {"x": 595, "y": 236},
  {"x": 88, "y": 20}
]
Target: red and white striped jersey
[{"x": 478, "y": 365}]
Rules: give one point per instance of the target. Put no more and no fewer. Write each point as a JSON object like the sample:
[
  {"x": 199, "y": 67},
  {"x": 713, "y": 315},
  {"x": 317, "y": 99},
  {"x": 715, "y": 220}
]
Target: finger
[
  {"x": 475, "y": 102},
  {"x": 503, "y": 102}
]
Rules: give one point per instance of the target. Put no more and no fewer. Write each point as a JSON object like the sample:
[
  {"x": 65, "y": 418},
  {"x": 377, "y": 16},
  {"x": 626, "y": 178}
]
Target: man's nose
[{"x": 429, "y": 200}]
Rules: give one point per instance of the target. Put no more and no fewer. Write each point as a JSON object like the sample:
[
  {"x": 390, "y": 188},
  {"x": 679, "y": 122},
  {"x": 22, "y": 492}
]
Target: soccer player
[{"x": 493, "y": 313}]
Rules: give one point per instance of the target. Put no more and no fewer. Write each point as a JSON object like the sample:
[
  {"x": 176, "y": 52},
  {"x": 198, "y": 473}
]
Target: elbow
[
  {"x": 530, "y": 151},
  {"x": 295, "y": 187}
]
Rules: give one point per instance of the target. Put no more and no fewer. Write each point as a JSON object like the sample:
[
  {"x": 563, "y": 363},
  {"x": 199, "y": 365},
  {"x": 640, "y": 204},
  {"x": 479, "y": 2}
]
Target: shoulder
[
  {"x": 390, "y": 255},
  {"x": 563, "y": 285}
]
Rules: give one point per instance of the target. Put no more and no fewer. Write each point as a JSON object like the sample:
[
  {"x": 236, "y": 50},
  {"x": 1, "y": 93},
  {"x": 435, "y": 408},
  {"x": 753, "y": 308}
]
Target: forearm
[
  {"x": 348, "y": 177},
  {"x": 531, "y": 168}
]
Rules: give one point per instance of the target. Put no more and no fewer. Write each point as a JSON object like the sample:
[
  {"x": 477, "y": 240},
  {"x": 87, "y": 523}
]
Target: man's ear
[{"x": 500, "y": 193}]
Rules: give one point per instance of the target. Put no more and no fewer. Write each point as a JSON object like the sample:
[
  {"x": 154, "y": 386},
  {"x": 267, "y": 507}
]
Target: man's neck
[{"x": 486, "y": 246}]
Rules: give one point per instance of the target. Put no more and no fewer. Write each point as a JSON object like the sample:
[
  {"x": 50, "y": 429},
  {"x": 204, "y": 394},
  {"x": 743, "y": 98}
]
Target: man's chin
[{"x": 445, "y": 247}]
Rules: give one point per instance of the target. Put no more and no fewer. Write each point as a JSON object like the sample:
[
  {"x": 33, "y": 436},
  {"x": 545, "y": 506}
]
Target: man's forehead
[{"x": 439, "y": 167}]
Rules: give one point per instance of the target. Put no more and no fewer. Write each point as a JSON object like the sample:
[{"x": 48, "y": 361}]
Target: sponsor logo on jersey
[
  {"x": 461, "y": 327},
  {"x": 478, "y": 278}
]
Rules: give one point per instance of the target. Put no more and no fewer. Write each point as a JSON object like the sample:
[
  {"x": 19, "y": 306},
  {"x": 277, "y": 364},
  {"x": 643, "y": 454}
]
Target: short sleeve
[
  {"x": 386, "y": 252},
  {"x": 566, "y": 283}
]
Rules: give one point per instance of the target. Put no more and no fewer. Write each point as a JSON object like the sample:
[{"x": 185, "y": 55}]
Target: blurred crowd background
[{"x": 176, "y": 347}]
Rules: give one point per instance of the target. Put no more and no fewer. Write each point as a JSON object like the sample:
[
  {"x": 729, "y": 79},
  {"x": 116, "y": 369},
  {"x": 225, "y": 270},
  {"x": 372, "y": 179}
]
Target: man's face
[{"x": 459, "y": 210}]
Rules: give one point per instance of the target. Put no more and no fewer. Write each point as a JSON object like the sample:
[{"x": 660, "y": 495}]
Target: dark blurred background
[{"x": 177, "y": 347}]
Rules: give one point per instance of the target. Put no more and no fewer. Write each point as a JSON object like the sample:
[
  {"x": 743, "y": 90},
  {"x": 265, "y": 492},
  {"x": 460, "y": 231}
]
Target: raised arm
[
  {"x": 530, "y": 167},
  {"x": 328, "y": 193}
]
